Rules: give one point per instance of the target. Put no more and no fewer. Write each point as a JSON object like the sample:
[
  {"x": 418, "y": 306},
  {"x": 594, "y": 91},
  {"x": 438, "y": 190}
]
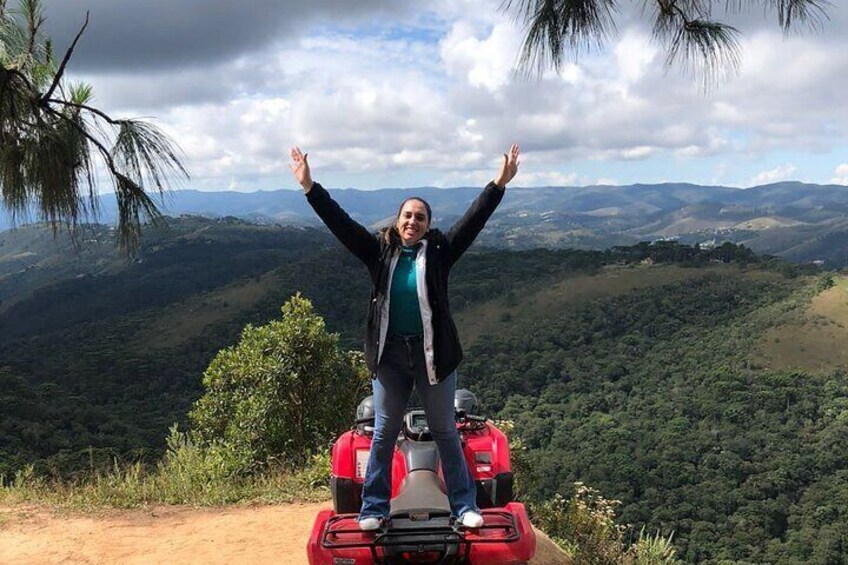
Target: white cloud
[
  {"x": 488, "y": 62},
  {"x": 634, "y": 53},
  {"x": 549, "y": 178},
  {"x": 434, "y": 98},
  {"x": 777, "y": 174},
  {"x": 841, "y": 173},
  {"x": 639, "y": 152},
  {"x": 477, "y": 177},
  {"x": 356, "y": 106},
  {"x": 480, "y": 177},
  {"x": 787, "y": 95},
  {"x": 607, "y": 182}
]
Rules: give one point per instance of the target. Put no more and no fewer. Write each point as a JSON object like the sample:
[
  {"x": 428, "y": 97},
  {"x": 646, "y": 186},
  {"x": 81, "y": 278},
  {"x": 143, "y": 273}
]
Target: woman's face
[{"x": 412, "y": 223}]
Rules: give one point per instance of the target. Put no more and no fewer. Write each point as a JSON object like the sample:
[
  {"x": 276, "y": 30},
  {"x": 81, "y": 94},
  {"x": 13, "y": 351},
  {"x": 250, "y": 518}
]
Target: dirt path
[{"x": 175, "y": 535}]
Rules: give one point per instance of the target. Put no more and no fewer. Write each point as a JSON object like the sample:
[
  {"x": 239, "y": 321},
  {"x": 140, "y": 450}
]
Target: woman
[{"x": 411, "y": 339}]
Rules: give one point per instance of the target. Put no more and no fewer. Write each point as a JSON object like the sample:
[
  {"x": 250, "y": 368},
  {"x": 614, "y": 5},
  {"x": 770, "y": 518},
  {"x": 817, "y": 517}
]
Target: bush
[
  {"x": 584, "y": 526},
  {"x": 278, "y": 396},
  {"x": 192, "y": 468},
  {"x": 653, "y": 550},
  {"x": 317, "y": 473},
  {"x": 825, "y": 282}
]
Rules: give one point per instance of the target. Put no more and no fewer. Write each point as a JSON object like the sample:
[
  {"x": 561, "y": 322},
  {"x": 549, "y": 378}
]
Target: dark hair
[{"x": 391, "y": 233}]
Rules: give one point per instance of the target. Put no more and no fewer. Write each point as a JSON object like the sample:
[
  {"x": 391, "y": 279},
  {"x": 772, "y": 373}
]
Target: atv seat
[{"x": 421, "y": 491}]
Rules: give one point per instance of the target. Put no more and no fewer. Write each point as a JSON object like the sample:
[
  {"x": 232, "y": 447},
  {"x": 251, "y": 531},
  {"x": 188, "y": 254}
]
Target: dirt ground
[{"x": 254, "y": 535}]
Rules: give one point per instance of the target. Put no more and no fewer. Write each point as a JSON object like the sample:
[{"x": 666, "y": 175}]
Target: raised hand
[
  {"x": 509, "y": 167},
  {"x": 300, "y": 168}
]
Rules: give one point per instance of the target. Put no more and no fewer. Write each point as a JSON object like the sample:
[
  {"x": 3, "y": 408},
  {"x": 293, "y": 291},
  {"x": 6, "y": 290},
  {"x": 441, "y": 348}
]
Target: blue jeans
[{"x": 401, "y": 367}]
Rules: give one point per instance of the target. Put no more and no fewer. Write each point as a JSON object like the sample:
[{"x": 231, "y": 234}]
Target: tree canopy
[
  {"x": 53, "y": 142},
  {"x": 687, "y": 29},
  {"x": 283, "y": 391}
]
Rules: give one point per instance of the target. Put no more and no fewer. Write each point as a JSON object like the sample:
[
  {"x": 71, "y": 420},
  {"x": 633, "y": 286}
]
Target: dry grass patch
[
  {"x": 548, "y": 301},
  {"x": 178, "y": 324},
  {"x": 817, "y": 341},
  {"x": 766, "y": 223}
]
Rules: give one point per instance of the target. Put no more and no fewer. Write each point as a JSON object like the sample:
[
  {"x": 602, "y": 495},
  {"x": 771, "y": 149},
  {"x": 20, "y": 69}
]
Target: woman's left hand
[{"x": 509, "y": 167}]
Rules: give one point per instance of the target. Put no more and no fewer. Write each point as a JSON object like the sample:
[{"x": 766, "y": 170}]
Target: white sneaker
[
  {"x": 471, "y": 519},
  {"x": 370, "y": 524}
]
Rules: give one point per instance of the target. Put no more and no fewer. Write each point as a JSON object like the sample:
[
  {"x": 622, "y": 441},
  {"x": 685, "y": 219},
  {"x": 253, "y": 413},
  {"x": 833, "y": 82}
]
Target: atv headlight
[
  {"x": 483, "y": 457},
  {"x": 483, "y": 461},
  {"x": 361, "y": 462}
]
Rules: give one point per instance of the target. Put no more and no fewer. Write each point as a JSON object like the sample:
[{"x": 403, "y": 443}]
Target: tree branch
[
  {"x": 107, "y": 156},
  {"x": 85, "y": 107},
  {"x": 34, "y": 20},
  {"x": 65, "y": 60}
]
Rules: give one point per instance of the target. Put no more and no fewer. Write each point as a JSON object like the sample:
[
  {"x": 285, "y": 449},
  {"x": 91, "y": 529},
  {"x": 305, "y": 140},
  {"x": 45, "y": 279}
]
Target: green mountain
[
  {"x": 704, "y": 388},
  {"x": 796, "y": 221}
]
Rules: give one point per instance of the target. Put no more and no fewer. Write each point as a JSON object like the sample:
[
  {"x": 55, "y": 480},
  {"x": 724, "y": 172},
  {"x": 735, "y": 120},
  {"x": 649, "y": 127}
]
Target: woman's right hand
[{"x": 300, "y": 168}]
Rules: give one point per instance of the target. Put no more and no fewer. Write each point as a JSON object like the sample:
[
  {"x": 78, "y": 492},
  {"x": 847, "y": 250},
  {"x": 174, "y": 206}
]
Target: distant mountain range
[{"x": 800, "y": 222}]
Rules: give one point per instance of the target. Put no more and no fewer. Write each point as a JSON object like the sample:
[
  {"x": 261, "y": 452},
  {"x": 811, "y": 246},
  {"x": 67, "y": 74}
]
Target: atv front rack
[{"x": 420, "y": 533}]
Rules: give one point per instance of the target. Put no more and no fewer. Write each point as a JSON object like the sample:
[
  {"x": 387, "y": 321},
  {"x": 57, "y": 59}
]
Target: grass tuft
[{"x": 187, "y": 475}]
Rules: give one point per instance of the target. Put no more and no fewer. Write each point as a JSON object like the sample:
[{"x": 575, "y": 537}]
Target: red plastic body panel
[
  {"x": 485, "y": 549},
  {"x": 487, "y": 439},
  {"x": 314, "y": 552},
  {"x": 344, "y": 459},
  {"x": 514, "y": 553},
  {"x": 350, "y": 556}
]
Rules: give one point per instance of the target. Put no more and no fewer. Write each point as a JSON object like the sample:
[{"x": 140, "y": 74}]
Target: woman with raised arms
[{"x": 411, "y": 339}]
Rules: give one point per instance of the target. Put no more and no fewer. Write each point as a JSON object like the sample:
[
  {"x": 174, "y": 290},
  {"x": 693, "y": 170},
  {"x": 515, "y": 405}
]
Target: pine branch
[
  {"x": 85, "y": 107},
  {"x": 104, "y": 152},
  {"x": 65, "y": 60},
  {"x": 34, "y": 20}
]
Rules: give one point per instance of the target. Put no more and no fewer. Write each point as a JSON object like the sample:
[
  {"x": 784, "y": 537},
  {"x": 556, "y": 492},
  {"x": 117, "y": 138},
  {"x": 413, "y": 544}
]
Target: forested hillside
[
  {"x": 653, "y": 397},
  {"x": 646, "y": 371},
  {"x": 101, "y": 354},
  {"x": 101, "y": 358}
]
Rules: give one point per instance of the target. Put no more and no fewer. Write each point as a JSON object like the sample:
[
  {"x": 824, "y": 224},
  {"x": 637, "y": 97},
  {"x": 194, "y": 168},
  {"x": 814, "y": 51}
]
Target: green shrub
[
  {"x": 193, "y": 469},
  {"x": 276, "y": 396},
  {"x": 584, "y": 526},
  {"x": 653, "y": 550},
  {"x": 316, "y": 474},
  {"x": 825, "y": 282}
]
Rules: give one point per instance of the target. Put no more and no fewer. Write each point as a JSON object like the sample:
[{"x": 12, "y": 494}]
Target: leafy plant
[
  {"x": 583, "y": 525},
  {"x": 280, "y": 393},
  {"x": 53, "y": 140},
  {"x": 653, "y": 550},
  {"x": 686, "y": 28}
]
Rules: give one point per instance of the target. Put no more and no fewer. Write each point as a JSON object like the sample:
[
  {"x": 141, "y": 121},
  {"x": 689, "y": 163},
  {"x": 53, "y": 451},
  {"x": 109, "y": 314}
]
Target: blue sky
[{"x": 390, "y": 94}]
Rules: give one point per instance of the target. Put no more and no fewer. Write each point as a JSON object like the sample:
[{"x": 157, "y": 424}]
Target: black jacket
[{"x": 443, "y": 250}]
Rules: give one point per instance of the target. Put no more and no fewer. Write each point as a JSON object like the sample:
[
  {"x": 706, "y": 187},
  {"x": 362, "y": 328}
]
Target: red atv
[{"x": 421, "y": 528}]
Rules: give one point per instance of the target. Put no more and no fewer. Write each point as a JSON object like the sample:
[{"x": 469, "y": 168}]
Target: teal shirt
[{"x": 404, "y": 313}]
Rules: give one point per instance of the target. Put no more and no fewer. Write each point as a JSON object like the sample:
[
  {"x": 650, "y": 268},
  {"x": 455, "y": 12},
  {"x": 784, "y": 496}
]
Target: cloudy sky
[{"x": 399, "y": 94}]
